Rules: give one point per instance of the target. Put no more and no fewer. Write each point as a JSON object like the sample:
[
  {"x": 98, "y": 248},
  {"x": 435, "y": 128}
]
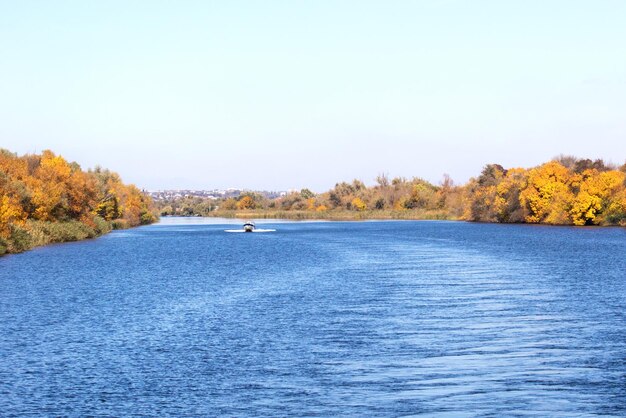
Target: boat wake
[{"x": 253, "y": 231}]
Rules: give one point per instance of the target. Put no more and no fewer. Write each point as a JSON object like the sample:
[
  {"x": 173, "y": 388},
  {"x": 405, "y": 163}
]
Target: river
[{"x": 318, "y": 318}]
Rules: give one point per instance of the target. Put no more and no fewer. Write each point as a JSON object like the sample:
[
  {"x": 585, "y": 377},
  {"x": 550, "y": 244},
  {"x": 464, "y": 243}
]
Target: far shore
[
  {"x": 352, "y": 216},
  {"x": 346, "y": 215}
]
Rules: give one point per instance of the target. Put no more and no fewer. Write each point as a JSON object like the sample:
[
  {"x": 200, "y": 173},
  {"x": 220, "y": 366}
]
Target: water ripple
[{"x": 322, "y": 319}]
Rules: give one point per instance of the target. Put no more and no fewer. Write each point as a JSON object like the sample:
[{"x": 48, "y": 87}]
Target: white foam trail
[{"x": 256, "y": 230}]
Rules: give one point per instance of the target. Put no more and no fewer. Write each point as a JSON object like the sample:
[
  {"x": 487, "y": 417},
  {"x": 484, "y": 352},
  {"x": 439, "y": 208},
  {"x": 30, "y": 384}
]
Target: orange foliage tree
[
  {"x": 48, "y": 189},
  {"x": 245, "y": 202}
]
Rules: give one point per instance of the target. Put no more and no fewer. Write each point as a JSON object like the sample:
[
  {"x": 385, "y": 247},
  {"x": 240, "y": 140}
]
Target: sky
[{"x": 277, "y": 95}]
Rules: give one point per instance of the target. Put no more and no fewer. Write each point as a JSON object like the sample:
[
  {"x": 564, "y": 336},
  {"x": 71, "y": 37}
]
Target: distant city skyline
[{"x": 279, "y": 95}]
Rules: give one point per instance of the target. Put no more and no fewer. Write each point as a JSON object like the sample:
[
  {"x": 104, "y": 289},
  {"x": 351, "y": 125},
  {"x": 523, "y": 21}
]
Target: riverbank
[
  {"x": 335, "y": 215},
  {"x": 371, "y": 215},
  {"x": 45, "y": 199},
  {"x": 34, "y": 233}
]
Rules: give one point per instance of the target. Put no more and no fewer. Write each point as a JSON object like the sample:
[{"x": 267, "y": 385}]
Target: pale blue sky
[{"x": 291, "y": 94}]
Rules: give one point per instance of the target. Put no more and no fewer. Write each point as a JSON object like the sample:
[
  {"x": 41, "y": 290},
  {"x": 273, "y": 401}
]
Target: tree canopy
[{"x": 38, "y": 193}]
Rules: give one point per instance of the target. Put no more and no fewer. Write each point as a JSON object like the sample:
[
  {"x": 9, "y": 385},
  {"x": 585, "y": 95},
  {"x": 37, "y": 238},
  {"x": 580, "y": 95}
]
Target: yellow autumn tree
[
  {"x": 11, "y": 205},
  {"x": 506, "y": 202},
  {"x": 50, "y": 180},
  {"x": 547, "y": 197},
  {"x": 596, "y": 191},
  {"x": 81, "y": 192},
  {"x": 481, "y": 194},
  {"x": 11, "y": 213},
  {"x": 615, "y": 213},
  {"x": 245, "y": 202},
  {"x": 358, "y": 204}
]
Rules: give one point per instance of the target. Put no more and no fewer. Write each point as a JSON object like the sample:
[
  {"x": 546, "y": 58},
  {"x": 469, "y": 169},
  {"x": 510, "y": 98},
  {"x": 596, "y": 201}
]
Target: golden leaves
[{"x": 47, "y": 188}]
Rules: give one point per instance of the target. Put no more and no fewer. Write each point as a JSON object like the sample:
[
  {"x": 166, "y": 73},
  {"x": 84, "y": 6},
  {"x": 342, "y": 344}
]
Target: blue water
[{"x": 324, "y": 319}]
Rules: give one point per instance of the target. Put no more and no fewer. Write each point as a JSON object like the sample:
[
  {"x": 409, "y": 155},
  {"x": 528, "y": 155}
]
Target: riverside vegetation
[
  {"x": 564, "y": 191},
  {"x": 46, "y": 199}
]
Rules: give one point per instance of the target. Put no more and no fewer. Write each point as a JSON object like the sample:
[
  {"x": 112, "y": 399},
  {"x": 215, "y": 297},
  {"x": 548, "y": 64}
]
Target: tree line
[
  {"x": 44, "y": 199},
  {"x": 564, "y": 191}
]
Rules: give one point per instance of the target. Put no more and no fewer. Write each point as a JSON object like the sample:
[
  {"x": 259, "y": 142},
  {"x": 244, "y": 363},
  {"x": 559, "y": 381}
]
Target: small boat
[{"x": 249, "y": 226}]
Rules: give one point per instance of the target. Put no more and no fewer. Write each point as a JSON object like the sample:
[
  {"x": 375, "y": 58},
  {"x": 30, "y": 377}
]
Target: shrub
[
  {"x": 147, "y": 218},
  {"x": 69, "y": 231},
  {"x": 38, "y": 233},
  {"x": 19, "y": 240},
  {"x": 120, "y": 224},
  {"x": 102, "y": 226},
  {"x": 358, "y": 204}
]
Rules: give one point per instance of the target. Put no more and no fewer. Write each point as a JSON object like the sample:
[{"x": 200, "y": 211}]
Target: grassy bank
[
  {"x": 335, "y": 215},
  {"x": 38, "y": 233}
]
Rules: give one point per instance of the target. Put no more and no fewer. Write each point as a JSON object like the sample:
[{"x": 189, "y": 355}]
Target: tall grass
[{"x": 35, "y": 233}]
